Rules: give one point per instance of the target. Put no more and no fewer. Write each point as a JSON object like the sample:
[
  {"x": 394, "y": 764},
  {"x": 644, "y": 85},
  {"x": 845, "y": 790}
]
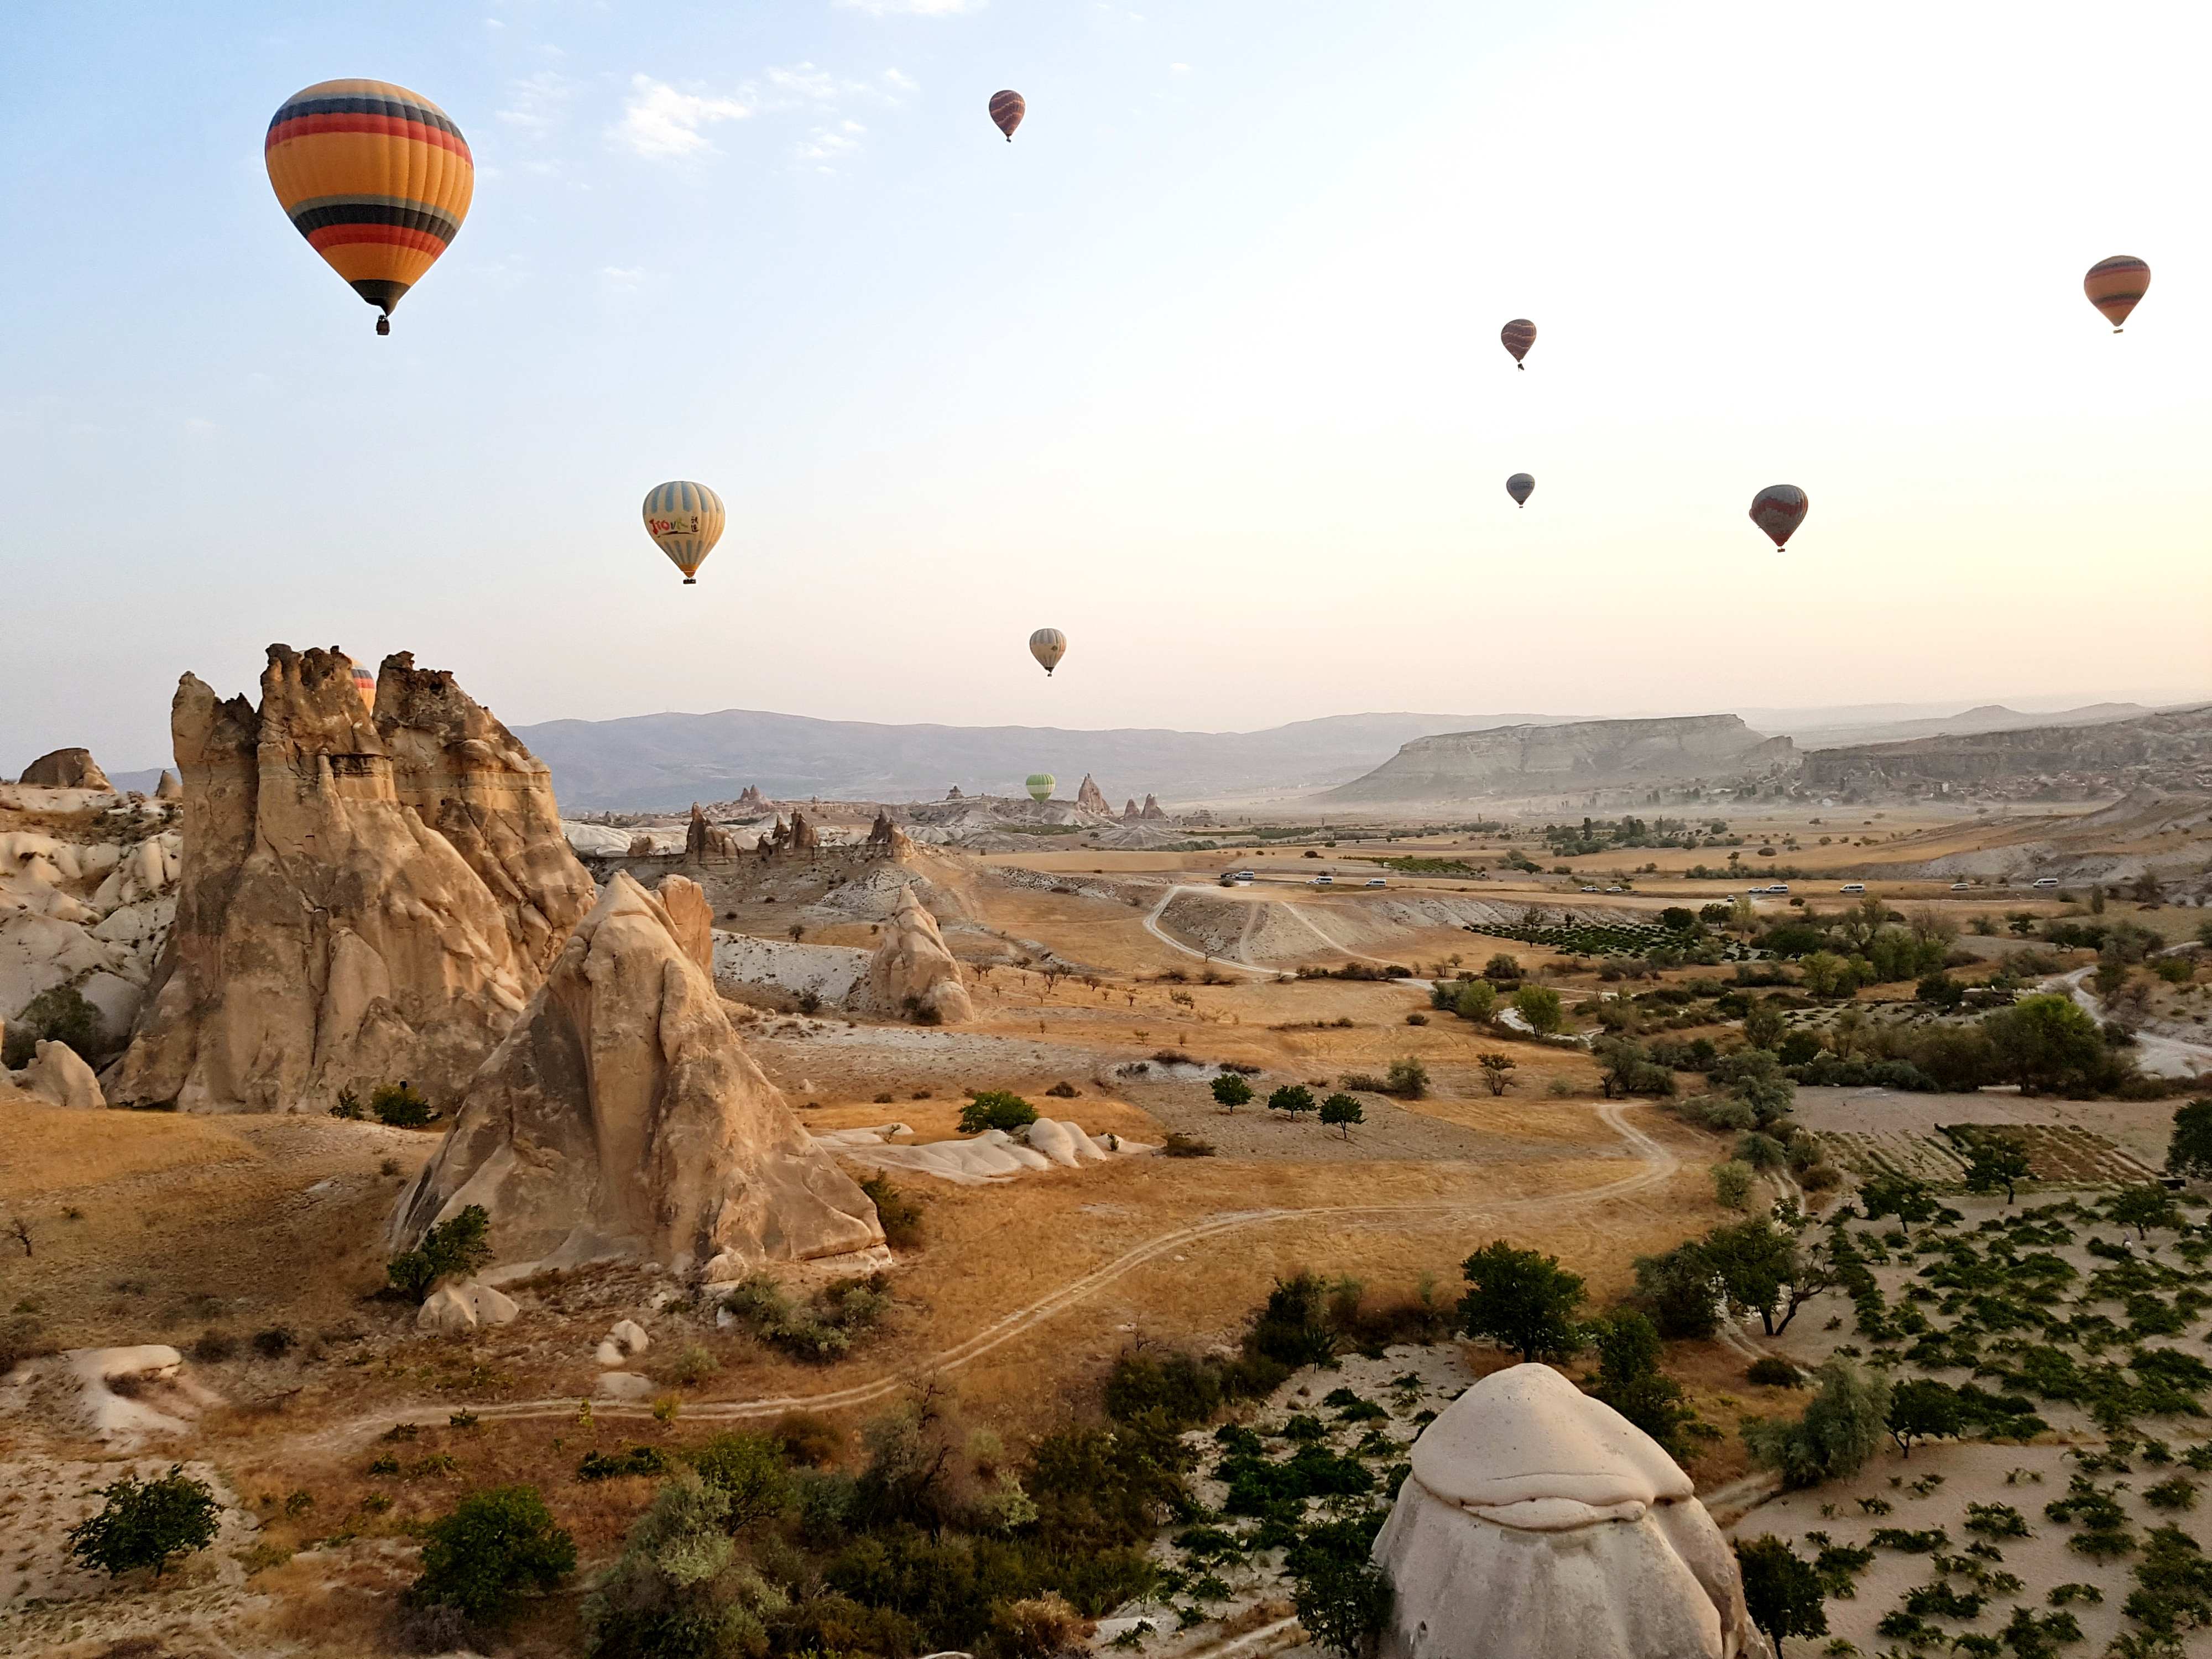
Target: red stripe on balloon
[
  {"x": 309, "y": 126},
  {"x": 387, "y": 235}
]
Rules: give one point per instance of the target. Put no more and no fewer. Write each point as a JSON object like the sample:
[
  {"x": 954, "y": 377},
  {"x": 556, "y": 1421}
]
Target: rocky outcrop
[
  {"x": 749, "y": 800},
  {"x": 365, "y": 898},
  {"x": 1092, "y": 798},
  {"x": 87, "y": 914},
  {"x": 1153, "y": 812},
  {"x": 1129, "y": 813},
  {"x": 690, "y": 917},
  {"x": 2169, "y": 750},
  {"x": 797, "y": 836},
  {"x": 66, "y": 768},
  {"x": 640, "y": 847},
  {"x": 1538, "y": 1521},
  {"x": 58, "y": 1076},
  {"x": 912, "y": 973},
  {"x": 953, "y": 793},
  {"x": 169, "y": 788},
  {"x": 461, "y": 1309},
  {"x": 1515, "y": 761},
  {"x": 887, "y": 840},
  {"x": 703, "y": 841},
  {"x": 622, "y": 1117}
]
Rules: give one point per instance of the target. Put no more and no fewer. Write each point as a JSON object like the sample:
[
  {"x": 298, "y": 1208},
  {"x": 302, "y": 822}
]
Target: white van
[
  {"x": 1324, "y": 881},
  {"x": 1852, "y": 887},
  {"x": 2044, "y": 884},
  {"x": 1377, "y": 881}
]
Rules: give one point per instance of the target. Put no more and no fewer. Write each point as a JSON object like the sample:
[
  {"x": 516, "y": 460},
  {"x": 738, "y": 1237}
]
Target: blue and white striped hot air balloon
[{"x": 686, "y": 521}]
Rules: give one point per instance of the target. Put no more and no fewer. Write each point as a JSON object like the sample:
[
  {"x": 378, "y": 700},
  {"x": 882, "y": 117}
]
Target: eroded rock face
[
  {"x": 1538, "y": 1521},
  {"x": 622, "y": 1117},
  {"x": 703, "y": 841},
  {"x": 690, "y": 917},
  {"x": 912, "y": 973},
  {"x": 366, "y": 898},
  {"x": 58, "y": 1076},
  {"x": 66, "y": 768},
  {"x": 1152, "y": 812},
  {"x": 169, "y": 788},
  {"x": 1092, "y": 798}
]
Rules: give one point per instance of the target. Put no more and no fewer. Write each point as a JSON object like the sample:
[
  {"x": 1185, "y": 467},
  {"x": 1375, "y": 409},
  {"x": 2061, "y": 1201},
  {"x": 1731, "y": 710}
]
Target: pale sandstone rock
[
  {"x": 691, "y": 918},
  {"x": 58, "y": 1076},
  {"x": 1538, "y": 1521},
  {"x": 622, "y": 1116},
  {"x": 912, "y": 971},
  {"x": 703, "y": 841},
  {"x": 362, "y": 898},
  {"x": 625, "y": 1341},
  {"x": 66, "y": 768},
  {"x": 169, "y": 788},
  {"x": 623, "y": 1386},
  {"x": 457, "y": 1309}
]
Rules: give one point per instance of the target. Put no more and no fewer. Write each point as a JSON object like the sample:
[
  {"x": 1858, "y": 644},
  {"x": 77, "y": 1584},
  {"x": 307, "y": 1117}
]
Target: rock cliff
[
  {"x": 2171, "y": 750},
  {"x": 365, "y": 896},
  {"x": 66, "y": 768},
  {"x": 1515, "y": 761},
  {"x": 622, "y": 1117},
  {"x": 703, "y": 841}
]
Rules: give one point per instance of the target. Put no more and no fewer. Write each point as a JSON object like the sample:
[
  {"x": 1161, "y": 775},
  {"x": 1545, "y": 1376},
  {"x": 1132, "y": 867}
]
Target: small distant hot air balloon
[
  {"x": 2114, "y": 285},
  {"x": 378, "y": 178},
  {"x": 365, "y": 683},
  {"x": 1778, "y": 509},
  {"x": 686, "y": 520},
  {"x": 1039, "y": 785},
  {"x": 1008, "y": 109},
  {"x": 1048, "y": 646},
  {"x": 1521, "y": 486},
  {"x": 1518, "y": 335}
]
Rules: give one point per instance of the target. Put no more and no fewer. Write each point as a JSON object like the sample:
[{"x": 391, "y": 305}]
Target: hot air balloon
[
  {"x": 1039, "y": 785},
  {"x": 378, "y": 178},
  {"x": 1521, "y": 486},
  {"x": 1778, "y": 509},
  {"x": 2114, "y": 285},
  {"x": 1008, "y": 109},
  {"x": 1048, "y": 646},
  {"x": 686, "y": 520},
  {"x": 365, "y": 683},
  {"x": 1518, "y": 335}
]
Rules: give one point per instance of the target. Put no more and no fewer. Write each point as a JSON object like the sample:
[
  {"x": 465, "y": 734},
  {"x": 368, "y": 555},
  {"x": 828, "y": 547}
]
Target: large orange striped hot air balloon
[
  {"x": 378, "y": 179},
  {"x": 1008, "y": 109},
  {"x": 2114, "y": 285},
  {"x": 1518, "y": 335},
  {"x": 1778, "y": 509},
  {"x": 365, "y": 683}
]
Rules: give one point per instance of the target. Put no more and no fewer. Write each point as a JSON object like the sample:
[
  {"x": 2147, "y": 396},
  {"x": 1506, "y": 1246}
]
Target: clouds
[
  {"x": 536, "y": 105},
  {"x": 914, "y": 7},
  {"x": 659, "y": 123}
]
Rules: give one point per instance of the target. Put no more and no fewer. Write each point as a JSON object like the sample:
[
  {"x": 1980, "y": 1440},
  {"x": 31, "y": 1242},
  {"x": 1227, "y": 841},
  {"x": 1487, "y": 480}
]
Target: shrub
[
  {"x": 1293, "y": 1327},
  {"x": 1182, "y": 1145},
  {"x": 1539, "y": 1005},
  {"x": 808, "y": 1439},
  {"x": 59, "y": 1014},
  {"x": 1680, "y": 1291},
  {"x": 1732, "y": 1183},
  {"x": 275, "y": 1342},
  {"x": 820, "y": 1329},
  {"x": 213, "y": 1346},
  {"x": 494, "y": 1548},
  {"x": 996, "y": 1109},
  {"x": 1842, "y": 1427},
  {"x": 453, "y": 1249},
  {"x": 147, "y": 1523},
  {"x": 2189, "y": 1153},
  {"x": 1417, "y": 1017},
  {"x": 1341, "y": 1602},
  {"x": 1521, "y": 1299},
  {"x": 1476, "y": 1000},
  {"x": 1774, "y": 1372},
  {"x": 677, "y": 1588},
  {"x": 1407, "y": 1078},
  {"x": 1497, "y": 1071},
  {"x": 616, "y": 1466},
  {"x": 1630, "y": 1381},
  {"x": 398, "y": 1106},
  {"x": 749, "y": 1473},
  {"x": 901, "y": 1216},
  {"x": 1921, "y": 1408}
]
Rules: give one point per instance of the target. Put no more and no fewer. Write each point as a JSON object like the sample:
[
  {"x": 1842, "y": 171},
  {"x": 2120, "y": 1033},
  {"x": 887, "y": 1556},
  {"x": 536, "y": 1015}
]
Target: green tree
[
  {"x": 1497, "y": 1071},
  {"x": 1760, "y": 1151},
  {"x": 1478, "y": 1001},
  {"x": 2189, "y": 1153},
  {"x": 1763, "y": 1025},
  {"x": 1230, "y": 1090},
  {"x": 1921, "y": 1408},
  {"x": 749, "y": 1471},
  {"x": 1407, "y": 1078},
  {"x": 1842, "y": 1426},
  {"x": 1539, "y": 1005},
  {"x": 679, "y": 1591},
  {"x": 1824, "y": 971},
  {"x": 1294, "y": 1099},
  {"x": 1341, "y": 1596},
  {"x": 2044, "y": 1043},
  {"x": 1782, "y": 1592},
  {"x": 147, "y": 1523},
  {"x": 2143, "y": 1206},
  {"x": 1502, "y": 967},
  {"x": 1900, "y": 1195},
  {"x": 1630, "y": 1381},
  {"x": 1761, "y": 1267},
  {"x": 996, "y": 1109},
  {"x": 1996, "y": 1158},
  {"x": 454, "y": 1248},
  {"x": 1680, "y": 1291},
  {"x": 1521, "y": 1299},
  {"x": 59, "y": 1014},
  {"x": 491, "y": 1550},
  {"x": 400, "y": 1106},
  {"x": 1340, "y": 1112},
  {"x": 1732, "y": 1183}
]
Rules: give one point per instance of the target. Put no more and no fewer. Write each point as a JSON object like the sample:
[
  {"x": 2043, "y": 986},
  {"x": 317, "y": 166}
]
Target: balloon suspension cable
[{"x": 383, "y": 325}]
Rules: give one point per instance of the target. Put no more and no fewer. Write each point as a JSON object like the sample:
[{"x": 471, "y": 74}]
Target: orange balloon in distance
[
  {"x": 2114, "y": 286},
  {"x": 365, "y": 683},
  {"x": 1778, "y": 509},
  {"x": 1008, "y": 109},
  {"x": 378, "y": 178},
  {"x": 1518, "y": 335}
]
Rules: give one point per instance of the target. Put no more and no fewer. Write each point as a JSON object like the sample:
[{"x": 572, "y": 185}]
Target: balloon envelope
[
  {"x": 1521, "y": 486},
  {"x": 1039, "y": 785},
  {"x": 686, "y": 521},
  {"x": 2114, "y": 286},
  {"x": 1778, "y": 509},
  {"x": 378, "y": 178},
  {"x": 365, "y": 683},
  {"x": 1008, "y": 109},
  {"x": 1048, "y": 646},
  {"x": 1518, "y": 335}
]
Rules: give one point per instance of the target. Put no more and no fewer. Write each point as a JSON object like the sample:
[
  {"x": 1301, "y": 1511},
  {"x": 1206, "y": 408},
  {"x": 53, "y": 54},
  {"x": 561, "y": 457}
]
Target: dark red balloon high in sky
[
  {"x": 1778, "y": 509},
  {"x": 1518, "y": 335},
  {"x": 1008, "y": 109}
]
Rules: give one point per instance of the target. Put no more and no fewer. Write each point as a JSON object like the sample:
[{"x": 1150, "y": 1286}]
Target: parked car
[
  {"x": 1243, "y": 877},
  {"x": 2046, "y": 883},
  {"x": 1324, "y": 881},
  {"x": 1589, "y": 890},
  {"x": 1962, "y": 887}
]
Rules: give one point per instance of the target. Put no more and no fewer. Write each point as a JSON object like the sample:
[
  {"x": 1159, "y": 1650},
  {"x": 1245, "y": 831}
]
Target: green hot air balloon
[{"x": 1041, "y": 785}]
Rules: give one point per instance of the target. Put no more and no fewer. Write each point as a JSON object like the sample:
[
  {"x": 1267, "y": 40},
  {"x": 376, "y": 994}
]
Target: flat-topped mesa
[
  {"x": 622, "y": 1117},
  {"x": 1537, "y": 1520},
  {"x": 1510, "y": 761},
  {"x": 367, "y": 896}
]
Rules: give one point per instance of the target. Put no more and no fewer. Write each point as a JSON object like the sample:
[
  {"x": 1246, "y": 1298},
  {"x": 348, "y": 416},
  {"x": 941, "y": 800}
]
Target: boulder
[
  {"x": 363, "y": 896},
  {"x": 625, "y": 1341},
  {"x": 459, "y": 1310},
  {"x": 913, "y": 972},
  {"x": 66, "y": 768},
  {"x": 58, "y": 1076},
  {"x": 1538, "y": 1521},
  {"x": 622, "y": 1117},
  {"x": 1092, "y": 798},
  {"x": 640, "y": 847}
]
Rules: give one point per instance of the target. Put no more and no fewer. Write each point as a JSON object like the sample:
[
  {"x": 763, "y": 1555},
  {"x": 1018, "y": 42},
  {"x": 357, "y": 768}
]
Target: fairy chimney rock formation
[
  {"x": 168, "y": 788},
  {"x": 364, "y": 895},
  {"x": 953, "y": 793},
  {"x": 803, "y": 838},
  {"x": 1129, "y": 813},
  {"x": 689, "y": 917},
  {"x": 1152, "y": 809},
  {"x": 66, "y": 768},
  {"x": 749, "y": 800},
  {"x": 1092, "y": 798},
  {"x": 912, "y": 973},
  {"x": 702, "y": 839},
  {"x": 621, "y": 1117},
  {"x": 1538, "y": 1521}
]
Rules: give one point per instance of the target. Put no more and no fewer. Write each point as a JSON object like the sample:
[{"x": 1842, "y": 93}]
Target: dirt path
[
  {"x": 1152, "y": 927},
  {"x": 2161, "y": 1056},
  {"x": 1658, "y": 1164}
]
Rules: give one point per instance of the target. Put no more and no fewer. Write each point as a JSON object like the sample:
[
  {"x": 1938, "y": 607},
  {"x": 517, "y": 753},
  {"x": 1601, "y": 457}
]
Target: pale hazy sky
[{"x": 1202, "y": 370}]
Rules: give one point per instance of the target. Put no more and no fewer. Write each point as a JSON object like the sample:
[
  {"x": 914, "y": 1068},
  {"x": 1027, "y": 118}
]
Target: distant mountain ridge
[{"x": 1515, "y": 761}]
